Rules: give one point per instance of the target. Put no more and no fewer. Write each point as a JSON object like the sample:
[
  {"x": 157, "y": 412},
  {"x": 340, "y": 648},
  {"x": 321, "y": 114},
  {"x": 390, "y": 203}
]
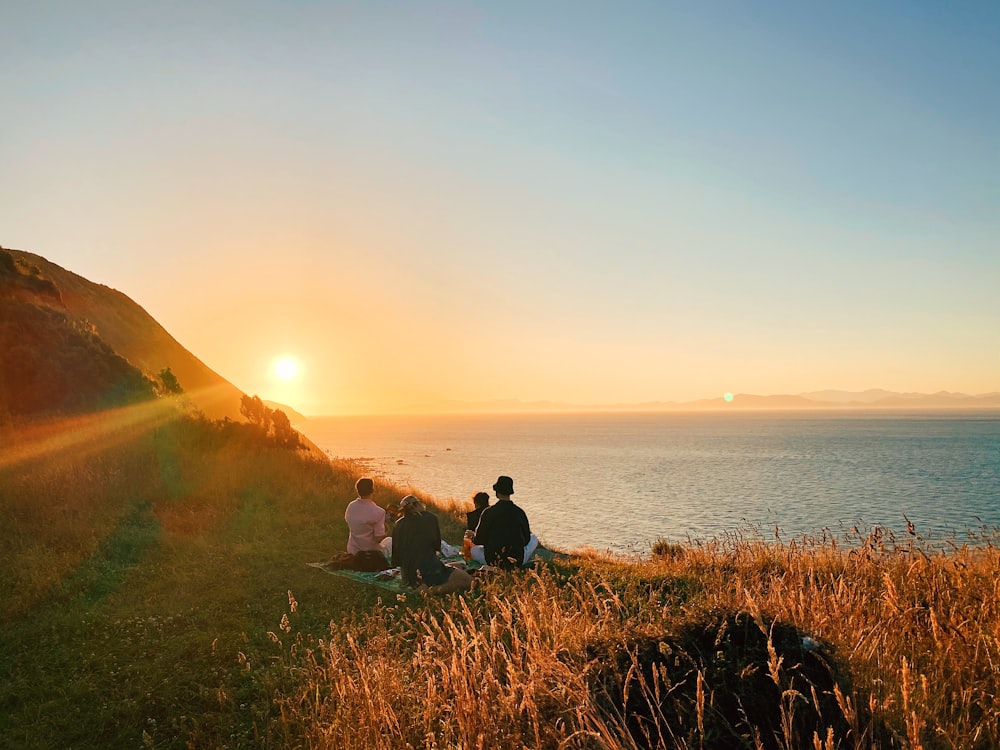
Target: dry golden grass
[
  {"x": 156, "y": 594},
  {"x": 911, "y": 638}
]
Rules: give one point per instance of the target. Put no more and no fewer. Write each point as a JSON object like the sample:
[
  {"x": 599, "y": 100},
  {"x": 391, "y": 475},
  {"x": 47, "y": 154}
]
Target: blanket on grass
[{"x": 390, "y": 579}]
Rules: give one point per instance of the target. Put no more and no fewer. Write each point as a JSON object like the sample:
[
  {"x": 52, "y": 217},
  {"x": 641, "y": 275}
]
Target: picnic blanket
[{"x": 391, "y": 580}]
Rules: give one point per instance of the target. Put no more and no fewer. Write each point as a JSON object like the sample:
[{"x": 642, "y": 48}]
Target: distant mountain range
[
  {"x": 70, "y": 345},
  {"x": 873, "y": 399},
  {"x": 296, "y": 417},
  {"x": 870, "y": 399}
]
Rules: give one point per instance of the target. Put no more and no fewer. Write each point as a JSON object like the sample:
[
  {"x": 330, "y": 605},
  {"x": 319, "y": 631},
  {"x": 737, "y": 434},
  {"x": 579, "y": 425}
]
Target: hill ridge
[{"x": 131, "y": 332}]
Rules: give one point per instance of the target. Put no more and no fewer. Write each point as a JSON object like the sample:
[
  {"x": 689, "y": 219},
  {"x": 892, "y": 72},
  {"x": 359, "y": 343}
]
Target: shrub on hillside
[
  {"x": 16, "y": 276},
  {"x": 50, "y": 365}
]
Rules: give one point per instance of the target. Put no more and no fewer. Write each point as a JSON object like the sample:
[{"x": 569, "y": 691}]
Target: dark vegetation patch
[
  {"x": 53, "y": 365},
  {"x": 117, "y": 555},
  {"x": 730, "y": 681},
  {"x": 19, "y": 277}
]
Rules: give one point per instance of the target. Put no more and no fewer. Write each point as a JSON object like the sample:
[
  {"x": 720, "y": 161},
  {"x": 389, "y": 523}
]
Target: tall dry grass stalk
[
  {"x": 911, "y": 635},
  {"x": 488, "y": 671},
  {"x": 191, "y": 535}
]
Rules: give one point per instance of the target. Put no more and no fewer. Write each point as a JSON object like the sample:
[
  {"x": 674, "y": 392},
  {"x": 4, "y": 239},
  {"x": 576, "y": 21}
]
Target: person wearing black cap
[{"x": 503, "y": 529}]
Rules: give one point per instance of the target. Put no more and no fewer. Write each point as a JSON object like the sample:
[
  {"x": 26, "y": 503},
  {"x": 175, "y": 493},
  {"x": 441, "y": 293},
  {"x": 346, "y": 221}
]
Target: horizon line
[{"x": 897, "y": 402}]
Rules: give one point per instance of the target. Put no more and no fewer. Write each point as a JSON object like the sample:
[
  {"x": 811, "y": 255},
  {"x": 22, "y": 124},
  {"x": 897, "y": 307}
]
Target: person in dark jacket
[
  {"x": 481, "y": 501},
  {"x": 473, "y": 551},
  {"x": 503, "y": 529},
  {"x": 416, "y": 540}
]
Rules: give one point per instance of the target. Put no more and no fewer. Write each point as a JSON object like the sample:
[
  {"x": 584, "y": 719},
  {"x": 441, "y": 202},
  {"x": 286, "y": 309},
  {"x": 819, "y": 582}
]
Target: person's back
[
  {"x": 415, "y": 544},
  {"x": 365, "y": 520},
  {"x": 503, "y": 528},
  {"x": 481, "y": 502}
]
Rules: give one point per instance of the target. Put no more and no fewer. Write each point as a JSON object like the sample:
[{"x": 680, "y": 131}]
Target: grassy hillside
[
  {"x": 126, "y": 328},
  {"x": 156, "y": 595},
  {"x": 51, "y": 362},
  {"x": 140, "y": 562},
  {"x": 731, "y": 645}
]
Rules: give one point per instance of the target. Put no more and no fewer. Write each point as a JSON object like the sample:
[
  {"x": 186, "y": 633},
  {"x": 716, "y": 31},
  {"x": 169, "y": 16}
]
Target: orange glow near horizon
[{"x": 568, "y": 213}]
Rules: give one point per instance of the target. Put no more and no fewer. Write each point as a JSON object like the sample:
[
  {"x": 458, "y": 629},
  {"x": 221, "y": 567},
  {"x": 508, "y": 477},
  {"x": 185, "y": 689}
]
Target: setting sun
[{"x": 285, "y": 368}]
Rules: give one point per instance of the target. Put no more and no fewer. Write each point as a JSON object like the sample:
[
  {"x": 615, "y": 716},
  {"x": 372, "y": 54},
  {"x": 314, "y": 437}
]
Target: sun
[{"x": 285, "y": 367}]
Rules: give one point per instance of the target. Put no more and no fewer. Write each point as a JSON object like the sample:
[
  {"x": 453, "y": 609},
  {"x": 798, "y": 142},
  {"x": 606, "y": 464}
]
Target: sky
[{"x": 583, "y": 202}]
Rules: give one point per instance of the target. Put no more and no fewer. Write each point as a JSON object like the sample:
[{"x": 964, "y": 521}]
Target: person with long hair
[{"x": 416, "y": 541}]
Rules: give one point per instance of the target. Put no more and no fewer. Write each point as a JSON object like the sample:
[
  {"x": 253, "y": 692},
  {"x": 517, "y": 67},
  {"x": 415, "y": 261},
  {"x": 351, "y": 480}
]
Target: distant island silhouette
[
  {"x": 832, "y": 400},
  {"x": 62, "y": 317}
]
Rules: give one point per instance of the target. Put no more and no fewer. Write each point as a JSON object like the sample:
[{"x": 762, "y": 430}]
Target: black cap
[{"x": 504, "y": 486}]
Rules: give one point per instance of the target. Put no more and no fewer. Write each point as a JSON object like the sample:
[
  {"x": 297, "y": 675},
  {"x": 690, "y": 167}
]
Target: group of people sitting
[{"x": 499, "y": 536}]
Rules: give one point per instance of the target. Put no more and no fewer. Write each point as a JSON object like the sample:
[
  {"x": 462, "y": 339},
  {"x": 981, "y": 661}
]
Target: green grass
[
  {"x": 157, "y": 595},
  {"x": 143, "y": 637}
]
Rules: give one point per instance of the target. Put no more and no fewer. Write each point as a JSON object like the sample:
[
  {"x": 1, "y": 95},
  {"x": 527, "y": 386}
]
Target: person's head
[
  {"x": 410, "y": 505},
  {"x": 365, "y": 487},
  {"x": 504, "y": 486},
  {"x": 480, "y": 500}
]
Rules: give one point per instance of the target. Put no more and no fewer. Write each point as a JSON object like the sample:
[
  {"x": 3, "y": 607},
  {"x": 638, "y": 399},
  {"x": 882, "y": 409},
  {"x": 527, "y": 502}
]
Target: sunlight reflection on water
[{"x": 622, "y": 481}]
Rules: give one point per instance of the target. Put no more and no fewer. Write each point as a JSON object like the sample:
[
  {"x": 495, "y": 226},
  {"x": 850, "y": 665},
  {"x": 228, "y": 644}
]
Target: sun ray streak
[{"x": 85, "y": 433}]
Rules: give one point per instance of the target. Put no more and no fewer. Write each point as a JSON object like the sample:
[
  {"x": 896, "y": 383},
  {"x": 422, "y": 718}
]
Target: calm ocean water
[{"x": 621, "y": 481}]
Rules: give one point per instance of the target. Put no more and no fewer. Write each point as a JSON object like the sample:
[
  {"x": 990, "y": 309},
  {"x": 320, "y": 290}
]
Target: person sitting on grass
[
  {"x": 365, "y": 520},
  {"x": 503, "y": 530},
  {"x": 481, "y": 501},
  {"x": 475, "y": 552},
  {"x": 416, "y": 540}
]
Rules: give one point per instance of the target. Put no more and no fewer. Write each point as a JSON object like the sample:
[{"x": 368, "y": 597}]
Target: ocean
[{"x": 619, "y": 482}]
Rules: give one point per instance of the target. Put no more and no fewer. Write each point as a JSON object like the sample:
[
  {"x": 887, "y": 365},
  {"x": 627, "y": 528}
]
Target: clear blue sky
[{"x": 572, "y": 201}]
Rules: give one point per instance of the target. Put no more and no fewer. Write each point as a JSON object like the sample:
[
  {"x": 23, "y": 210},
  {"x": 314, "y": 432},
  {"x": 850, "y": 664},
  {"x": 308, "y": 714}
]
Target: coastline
[{"x": 632, "y": 479}]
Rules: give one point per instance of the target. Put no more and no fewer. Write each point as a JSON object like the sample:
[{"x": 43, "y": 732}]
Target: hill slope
[{"x": 59, "y": 299}]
